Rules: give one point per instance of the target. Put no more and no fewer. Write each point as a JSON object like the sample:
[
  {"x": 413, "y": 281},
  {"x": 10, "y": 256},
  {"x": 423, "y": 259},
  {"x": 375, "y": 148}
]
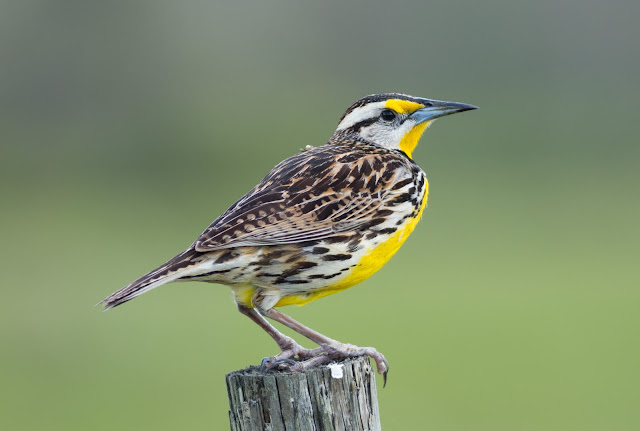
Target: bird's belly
[
  {"x": 328, "y": 275},
  {"x": 363, "y": 264},
  {"x": 294, "y": 274}
]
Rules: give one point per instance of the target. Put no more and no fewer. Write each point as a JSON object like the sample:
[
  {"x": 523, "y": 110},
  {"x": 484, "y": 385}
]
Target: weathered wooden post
[{"x": 340, "y": 396}]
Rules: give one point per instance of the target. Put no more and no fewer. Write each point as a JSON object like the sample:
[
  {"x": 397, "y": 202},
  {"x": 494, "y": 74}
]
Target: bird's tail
[{"x": 182, "y": 265}]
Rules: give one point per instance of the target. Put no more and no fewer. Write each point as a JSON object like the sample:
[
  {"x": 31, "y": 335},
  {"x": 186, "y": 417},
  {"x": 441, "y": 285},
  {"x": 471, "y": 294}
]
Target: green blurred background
[{"x": 127, "y": 127}]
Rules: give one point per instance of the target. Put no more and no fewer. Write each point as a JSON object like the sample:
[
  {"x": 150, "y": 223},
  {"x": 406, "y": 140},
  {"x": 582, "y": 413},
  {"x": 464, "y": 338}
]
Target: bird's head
[{"x": 394, "y": 120}]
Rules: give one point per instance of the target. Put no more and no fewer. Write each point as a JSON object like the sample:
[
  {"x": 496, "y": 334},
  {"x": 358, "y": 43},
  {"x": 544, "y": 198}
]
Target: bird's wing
[{"x": 316, "y": 194}]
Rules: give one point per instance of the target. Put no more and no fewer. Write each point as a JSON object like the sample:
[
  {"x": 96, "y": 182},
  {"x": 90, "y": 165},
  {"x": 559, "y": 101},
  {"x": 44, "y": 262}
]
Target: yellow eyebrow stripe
[{"x": 403, "y": 106}]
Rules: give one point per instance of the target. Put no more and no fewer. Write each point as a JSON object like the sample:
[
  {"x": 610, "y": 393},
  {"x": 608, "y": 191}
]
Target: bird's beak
[{"x": 435, "y": 109}]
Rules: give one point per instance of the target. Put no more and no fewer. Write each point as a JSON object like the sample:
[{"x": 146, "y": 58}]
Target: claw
[
  {"x": 264, "y": 363},
  {"x": 270, "y": 363},
  {"x": 385, "y": 372}
]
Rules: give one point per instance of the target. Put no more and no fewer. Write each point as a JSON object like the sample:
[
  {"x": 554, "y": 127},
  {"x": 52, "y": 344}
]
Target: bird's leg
[
  {"x": 333, "y": 348},
  {"x": 289, "y": 347}
]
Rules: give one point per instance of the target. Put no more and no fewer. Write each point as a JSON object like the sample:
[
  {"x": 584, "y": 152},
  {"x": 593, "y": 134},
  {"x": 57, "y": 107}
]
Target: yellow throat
[{"x": 410, "y": 140}]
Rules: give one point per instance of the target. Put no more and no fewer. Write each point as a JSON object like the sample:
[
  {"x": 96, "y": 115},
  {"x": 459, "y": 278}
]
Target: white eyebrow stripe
[{"x": 359, "y": 114}]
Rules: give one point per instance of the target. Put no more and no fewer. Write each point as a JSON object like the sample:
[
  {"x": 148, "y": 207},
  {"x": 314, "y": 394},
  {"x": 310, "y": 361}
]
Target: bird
[{"x": 321, "y": 221}]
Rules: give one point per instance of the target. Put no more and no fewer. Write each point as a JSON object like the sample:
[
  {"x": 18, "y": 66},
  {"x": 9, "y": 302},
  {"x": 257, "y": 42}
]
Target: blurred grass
[{"x": 127, "y": 127}]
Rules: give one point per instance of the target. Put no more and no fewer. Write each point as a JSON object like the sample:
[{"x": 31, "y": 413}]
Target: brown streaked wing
[{"x": 313, "y": 195}]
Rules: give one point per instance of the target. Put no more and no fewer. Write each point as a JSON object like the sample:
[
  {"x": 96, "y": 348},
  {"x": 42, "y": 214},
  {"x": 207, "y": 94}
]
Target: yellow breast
[{"x": 369, "y": 263}]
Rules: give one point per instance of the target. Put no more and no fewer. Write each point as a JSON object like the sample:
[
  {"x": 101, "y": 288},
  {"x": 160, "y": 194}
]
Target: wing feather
[{"x": 313, "y": 195}]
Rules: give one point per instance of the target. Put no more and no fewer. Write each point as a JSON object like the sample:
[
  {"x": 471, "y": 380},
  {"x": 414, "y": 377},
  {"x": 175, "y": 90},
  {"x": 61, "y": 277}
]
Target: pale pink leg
[
  {"x": 289, "y": 347},
  {"x": 333, "y": 349}
]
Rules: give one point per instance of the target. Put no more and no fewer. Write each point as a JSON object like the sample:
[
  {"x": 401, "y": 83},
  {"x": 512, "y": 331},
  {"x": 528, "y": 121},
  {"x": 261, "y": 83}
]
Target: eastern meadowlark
[{"x": 320, "y": 222}]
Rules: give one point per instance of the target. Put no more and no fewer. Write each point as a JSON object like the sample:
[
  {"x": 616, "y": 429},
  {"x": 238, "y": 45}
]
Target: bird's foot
[
  {"x": 286, "y": 358},
  {"x": 342, "y": 350},
  {"x": 310, "y": 358}
]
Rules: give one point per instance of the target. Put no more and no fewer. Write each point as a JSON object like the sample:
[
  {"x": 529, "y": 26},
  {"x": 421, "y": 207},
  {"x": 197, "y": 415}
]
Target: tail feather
[{"x": 182, "y": 265}]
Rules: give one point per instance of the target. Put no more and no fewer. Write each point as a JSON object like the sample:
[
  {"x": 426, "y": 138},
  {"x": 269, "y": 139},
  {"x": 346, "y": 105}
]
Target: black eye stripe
[{"x": 364, "y": 123}]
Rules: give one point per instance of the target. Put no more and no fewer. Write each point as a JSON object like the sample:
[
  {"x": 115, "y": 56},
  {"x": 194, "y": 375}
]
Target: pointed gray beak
[{"x": 435, "y": 109}]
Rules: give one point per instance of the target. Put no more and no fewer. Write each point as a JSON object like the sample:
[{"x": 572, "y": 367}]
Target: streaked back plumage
[{"x": 341, "y": 190}]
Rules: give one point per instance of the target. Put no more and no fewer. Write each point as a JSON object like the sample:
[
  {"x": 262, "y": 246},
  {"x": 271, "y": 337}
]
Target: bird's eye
[{"x": 387, "y": 115}]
